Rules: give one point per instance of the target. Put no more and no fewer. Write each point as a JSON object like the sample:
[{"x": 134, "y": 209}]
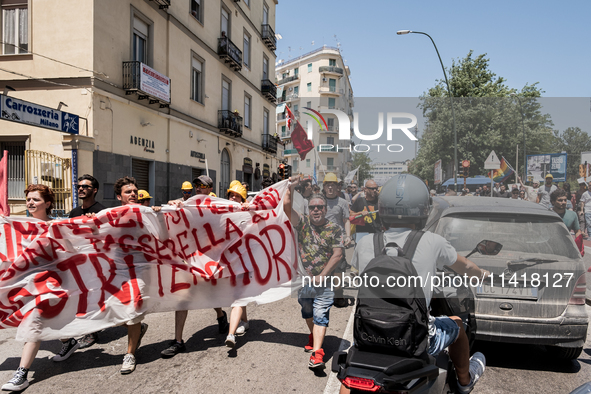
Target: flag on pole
[
  {"x": 300, "y": 139},
  {"x": 4, "y": 208},
  {"x": 503, "y": 173},
  {"x": 351, "y": 175},
  {"x": 315, "y": 181}
]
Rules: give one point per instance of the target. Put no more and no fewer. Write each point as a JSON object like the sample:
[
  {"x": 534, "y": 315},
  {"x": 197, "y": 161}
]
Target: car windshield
[{"x": 526, "y": 234}]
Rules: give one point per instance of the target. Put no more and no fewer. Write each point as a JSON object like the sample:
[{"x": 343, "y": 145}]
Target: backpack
[{"x": 392, "y": 320}]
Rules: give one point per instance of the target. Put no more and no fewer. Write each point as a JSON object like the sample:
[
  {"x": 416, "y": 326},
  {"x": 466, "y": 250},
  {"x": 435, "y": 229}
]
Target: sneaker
[
  {"x": 230, "y": 341},
  {"x": 317, "y": 359},
  {"x": 477, "y": 366},
  {"x": 223, "y": 324},
  {"x": 142, "y": 333},
  {"x": 88, "y": 340},
  {"x": 128, "y": 364},
  {"x": 174, "y": 348},
  {"x": 68, "y": 348},
  {"x": 18, "y": 382},
  {"x": 242, "y": 328},
  {"x": 310, "y": 346}
]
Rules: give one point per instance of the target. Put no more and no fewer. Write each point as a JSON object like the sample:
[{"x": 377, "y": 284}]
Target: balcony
[
  {"x": 162, "y": 4},
  {"x": 331, "y": 70},
  {"x": 230, "y": 123},
  {"x": 324, "y": 148},
  {"x": 269, "y": 90},
  {"x": 330, "y": 90},
  {"x": 285, "y": 135},
  {"x": 269, "y": 37},
  {"x": 146, "y": 82},
  {"x": 332, "y": 129},
  {"x": 288, "y": 79},
  {"x": 282, "y": 116},
  {"x": 269, "y": 143},
  {"x": 230, "y": 53},
  {"x": 289, "y": 152},
  {"x": 289, "y": 97}
]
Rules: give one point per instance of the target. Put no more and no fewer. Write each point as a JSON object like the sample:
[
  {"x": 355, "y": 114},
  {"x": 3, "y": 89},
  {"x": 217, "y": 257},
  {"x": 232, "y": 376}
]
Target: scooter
[{"x": 364, "y": 372}]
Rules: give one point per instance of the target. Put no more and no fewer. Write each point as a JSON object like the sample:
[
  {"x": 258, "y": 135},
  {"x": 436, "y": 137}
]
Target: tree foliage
[
  {"x": 362, "y": 160},
  {"x": 573, "y": 141},
  {"x": 488, "y": 116}
]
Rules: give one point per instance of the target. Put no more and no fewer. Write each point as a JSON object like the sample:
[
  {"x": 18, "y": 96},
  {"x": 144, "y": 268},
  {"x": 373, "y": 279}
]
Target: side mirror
[{"x": 487, "y": 248}]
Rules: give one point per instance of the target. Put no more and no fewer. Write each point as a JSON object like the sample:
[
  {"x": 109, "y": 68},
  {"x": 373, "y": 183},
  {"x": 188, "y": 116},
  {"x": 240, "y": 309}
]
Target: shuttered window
[
  {"x": 140, "y": 170},
  {"x": 16, "y": 167}
]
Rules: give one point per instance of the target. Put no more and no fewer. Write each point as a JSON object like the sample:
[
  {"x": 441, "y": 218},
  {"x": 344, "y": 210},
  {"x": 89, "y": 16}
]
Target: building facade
[
  {"x": 164, "y": 91},
  {"x": 318, "y": 80},
  {"x": 381, "y": 172}
]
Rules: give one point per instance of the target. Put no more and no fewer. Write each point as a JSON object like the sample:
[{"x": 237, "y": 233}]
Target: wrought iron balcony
[
  {"x": 289, "y": 97},
  {"x": 332, "y": 129},
  {"x": 289, "y": 152},
  {"x": 269, "y": 143},
  {"x": 331, "y": 70},
  {"x": 288, "y": 79},
  {"x": 269, "y": 37},
  {"x": 269, "y": 90},
  {"x": 162, "y": 4},
  {"x": 228, "y": 51},
  {"x": 230, "y": 123},
  {"x": 132, "y": 83}
]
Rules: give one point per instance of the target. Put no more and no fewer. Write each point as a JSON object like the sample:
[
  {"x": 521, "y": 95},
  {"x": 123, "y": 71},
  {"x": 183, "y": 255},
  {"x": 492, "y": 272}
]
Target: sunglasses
[
  {"x": 372, "y": 188},
  {"x": 203, "y": 186},
  {"x": 187, "y": 192},
  {"x": 85, "y": 187},
  {"x": 314, "y": 207}
]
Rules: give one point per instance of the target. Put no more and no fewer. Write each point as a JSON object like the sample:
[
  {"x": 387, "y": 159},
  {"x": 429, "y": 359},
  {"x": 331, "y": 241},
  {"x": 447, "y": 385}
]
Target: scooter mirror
[{"x": 487, "y": 248}]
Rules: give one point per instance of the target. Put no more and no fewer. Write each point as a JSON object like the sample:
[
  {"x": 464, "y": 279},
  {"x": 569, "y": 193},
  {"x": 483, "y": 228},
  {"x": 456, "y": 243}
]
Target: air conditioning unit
[
  {"x": 290, "y": 89},
  {"x": 323, "y": 79},
  {"x": 289, "y": 105}
]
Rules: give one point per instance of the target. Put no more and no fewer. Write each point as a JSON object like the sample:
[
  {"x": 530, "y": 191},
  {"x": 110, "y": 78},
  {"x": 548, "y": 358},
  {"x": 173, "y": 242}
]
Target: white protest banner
[
  {"x": 350, "y": 176},
  {"x": 71, "y": 277}
]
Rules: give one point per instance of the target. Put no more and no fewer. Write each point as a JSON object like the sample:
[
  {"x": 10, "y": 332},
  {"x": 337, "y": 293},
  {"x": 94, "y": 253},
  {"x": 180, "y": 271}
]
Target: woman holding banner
[{"x": 39, "y": 201}]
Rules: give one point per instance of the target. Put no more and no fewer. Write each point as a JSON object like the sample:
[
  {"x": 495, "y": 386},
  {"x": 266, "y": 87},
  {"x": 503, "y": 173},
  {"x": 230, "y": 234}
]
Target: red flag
[
  {"x": 300, "y": 141},
  {"x": 4, "y": 208},
  {"x": 290, "y": 117}
]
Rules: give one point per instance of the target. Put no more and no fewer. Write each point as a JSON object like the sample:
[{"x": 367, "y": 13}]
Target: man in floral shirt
[{"x": 320, "y": 245}]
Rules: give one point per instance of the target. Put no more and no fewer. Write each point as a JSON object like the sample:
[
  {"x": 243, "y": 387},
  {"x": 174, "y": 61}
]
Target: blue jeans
[
  {"x": 446, "y": 333},
  {"x": 588, "y": 222},
  {"x": 316, "y": 303}
]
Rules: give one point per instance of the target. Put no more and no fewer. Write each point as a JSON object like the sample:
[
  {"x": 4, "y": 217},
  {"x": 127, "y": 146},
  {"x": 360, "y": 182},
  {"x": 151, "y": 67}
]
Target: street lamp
[
  {"x": 523, "y": 128},
  {"x": 401, "y": 32}
]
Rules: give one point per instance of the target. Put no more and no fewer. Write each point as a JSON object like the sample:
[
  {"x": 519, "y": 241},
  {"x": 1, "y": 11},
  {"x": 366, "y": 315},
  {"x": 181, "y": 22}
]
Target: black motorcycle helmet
[{"x": 404, "y": 199}]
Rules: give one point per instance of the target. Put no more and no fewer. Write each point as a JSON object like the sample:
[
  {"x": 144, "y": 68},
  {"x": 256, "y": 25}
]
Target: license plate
[{"x": 507, "y": 292}]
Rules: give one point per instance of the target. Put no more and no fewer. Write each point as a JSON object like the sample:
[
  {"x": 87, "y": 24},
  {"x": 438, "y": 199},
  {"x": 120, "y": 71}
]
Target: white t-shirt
[
  {"x": 586, "y": 199},
  {"x": 432, "y": 251}
]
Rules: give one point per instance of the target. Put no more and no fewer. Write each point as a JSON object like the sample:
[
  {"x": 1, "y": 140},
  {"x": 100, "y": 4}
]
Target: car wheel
[{"x": 565, "y": 353}]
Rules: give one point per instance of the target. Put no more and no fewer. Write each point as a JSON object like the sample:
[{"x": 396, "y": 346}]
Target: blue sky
[{"x": 526, "y": 41}]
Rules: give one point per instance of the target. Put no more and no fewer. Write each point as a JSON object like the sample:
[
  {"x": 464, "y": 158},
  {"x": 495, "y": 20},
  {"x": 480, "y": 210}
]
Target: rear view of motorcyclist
[{"x": 404, "y": 205}]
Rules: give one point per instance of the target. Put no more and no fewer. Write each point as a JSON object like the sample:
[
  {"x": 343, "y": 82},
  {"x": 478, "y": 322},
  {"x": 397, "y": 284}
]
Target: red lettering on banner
[
  {"x": 277, "y": 255},
  {"x": 149, "y": 259},
  {"x": 123, "y": 293},
  {"x": 234, "y": 249},
  {"x": 145, "y": 246},
  {"x": 127, "y": 247},
  {"x": 257, "y": 218},
  {"x": 257, "y": 273},
  {"x": 180, "y": 215},
  {"x": 210, "y": 273},
  {"x": 159, "y": 249},
  {"x": 200, "y": 249},
  {"x": 236, "y": 229},
  {"x": 115, "y": 215},
  {"x": 109, "y": 240},
  {"x": 30, "y": 233},
  {"x": 225, "y": 261},
  {"x": 211, "y": 235},
  {"x": 45, "y": 307},
  {"x": 174, "y": 287},
  {"x": 55, "y": 231},
  {"x": 72, "y": 264},
  {"x": 39, "y": 250},
  {"x": 9, "y": 242},
  {"x": 206, "y": 202},
  {"x": 182, "y": 246},
  {"x": 137, "y": 300},
  {"x": 14, "y": 319},
  {"x": 218, "y": 209}
]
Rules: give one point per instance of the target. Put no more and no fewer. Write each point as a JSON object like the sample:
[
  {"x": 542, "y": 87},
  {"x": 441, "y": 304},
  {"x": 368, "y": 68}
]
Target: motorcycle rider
[{"x": 404, "y": 205}]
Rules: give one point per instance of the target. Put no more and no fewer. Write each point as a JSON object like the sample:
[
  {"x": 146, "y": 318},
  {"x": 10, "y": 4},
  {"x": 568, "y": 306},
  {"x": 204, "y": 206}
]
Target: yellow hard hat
[
  {"x": 212, "y": 194},
  {"x": 143, "y": 195},
  {"x": 331, "y": 177},
  {"x": 187, "y": 186},
  {"x": 237, "y": 187}
]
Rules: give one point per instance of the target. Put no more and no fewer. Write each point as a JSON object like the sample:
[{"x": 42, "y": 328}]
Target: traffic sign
[
  {"x": 492, "y": 162},
  {"x": 466, "y": 163}
]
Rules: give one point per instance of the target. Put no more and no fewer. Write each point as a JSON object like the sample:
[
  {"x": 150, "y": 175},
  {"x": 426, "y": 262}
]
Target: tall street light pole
[
  {"x": 523, "y": 128},
  {"x": 455, "y": 168}
]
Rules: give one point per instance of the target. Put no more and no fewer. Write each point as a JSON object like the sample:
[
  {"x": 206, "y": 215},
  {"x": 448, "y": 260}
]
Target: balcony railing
[
  {"x": 288, "y": 79},
  {"x": 269, "y": 143},
  {"x": 162, "y": 4},
  {"x": 288, "y": 152},
  {"x": 269, "y": 90},
  {"x": 285, "y": 135},
  {"x": 331, "y": 129},
  {"x": 281, "y": 116},
  {"x": 324, "y": 148},
  {"x": 230, "y": 123},
  {"x": 230, "y": 53},
  {"x": 331, "y": 69},
  {"x": 269, "y": 37},
  {"x": 132, "y": 83},
  {"x": 289, "y": 97}
]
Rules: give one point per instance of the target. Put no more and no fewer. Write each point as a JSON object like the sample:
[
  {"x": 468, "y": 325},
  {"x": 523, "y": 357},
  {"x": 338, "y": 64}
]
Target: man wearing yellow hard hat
[
  {"x": 187, "y": 189},
  {"x": 144, "y": 198}
]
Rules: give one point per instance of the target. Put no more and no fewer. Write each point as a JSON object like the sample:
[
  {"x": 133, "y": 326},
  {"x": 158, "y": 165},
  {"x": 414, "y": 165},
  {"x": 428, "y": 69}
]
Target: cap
[
  {"x": 203, "y": 179},
  {"x": 143, "y": 195},
  {"x": 187, "y": 186},
  {"x": 331, "y": 177},
  {"x": 581, "y": 181},
  {"x": 236, "y": 187},
  {"x": 549, "y": 176}
]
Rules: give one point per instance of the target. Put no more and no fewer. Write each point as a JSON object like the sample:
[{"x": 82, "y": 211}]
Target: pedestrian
[
  {"x": 569, "y": 196},
  {"x": 39, "y": 202},
  {"x": 315, "y": 189},
  {"x": 515, "y": 194},
  {"x": 544, "y": 192},
  {"x": 203, "y": 187},
  {"x": 404, "y": 206},
  {"x": 503, "y": 193},
  {"x": 558, "y": 198},
  {"x": 144, "y": 198},
  {"x": 238, "y": 317},
  {"x": 126, "y": 192},
  {"x": 320, "y": 248},
  {"x": 186, "y": 190},
  {"x": 367, "y": 206},
  {"x": 585, "y": 205},
  {"x": 579, "y": 207}
]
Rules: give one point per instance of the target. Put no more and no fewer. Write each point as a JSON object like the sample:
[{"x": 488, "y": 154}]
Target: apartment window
[
  {"x": 332, "y": 85},
  {"x": 265, "y": 122},
  {"x": 247, "y": 2},
  {"x": 330, "y": 162},
  {"x": 309, "y": 104},
  {"x": 225, "y": 27},
  {"x": 140, "y": 40},
  {"x": 265, "y": 67},
  {"x": 331, "y": 103},
  {"x": 307, "y": 163},
  {"x": 284, "y": 75},
  {"x": 330, "y": 140},
  {"x": 246, "y": 50},
  {"x": 197, "y": 10},
  {"x": 310, "y": 67},
  {"x": 309, "y": 86},
  {"x": 247, "y": 101},
  {"x": 296, "y": 107},
  {"x": 15, "y": 27},
  {"x": 283, "y": 131},
  {"x": 197, "y": 79},
  {"x": 226, "y": 91},
  {"x": 330, "y": 124},
  {"x": 265, "y": 14},
  {"x": 296, "y": 71},
  {"x": 296, "y": 90},
  {"x": 332, "y": 62}
]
